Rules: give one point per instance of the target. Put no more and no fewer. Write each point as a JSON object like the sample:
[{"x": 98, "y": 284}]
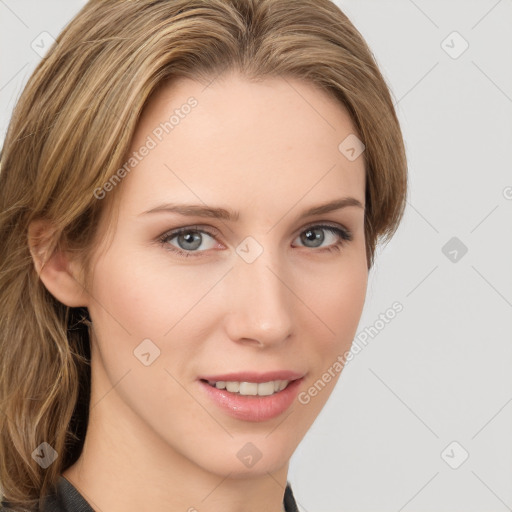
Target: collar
[{"x": 68, "y": 499}]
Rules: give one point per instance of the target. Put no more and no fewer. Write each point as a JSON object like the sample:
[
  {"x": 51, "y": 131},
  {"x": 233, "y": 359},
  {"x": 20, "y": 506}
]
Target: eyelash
[{"x": 344, "y": 234}]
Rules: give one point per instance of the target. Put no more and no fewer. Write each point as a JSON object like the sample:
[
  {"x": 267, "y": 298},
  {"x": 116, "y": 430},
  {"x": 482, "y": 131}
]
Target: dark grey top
[{"x": 68, "y": 499}]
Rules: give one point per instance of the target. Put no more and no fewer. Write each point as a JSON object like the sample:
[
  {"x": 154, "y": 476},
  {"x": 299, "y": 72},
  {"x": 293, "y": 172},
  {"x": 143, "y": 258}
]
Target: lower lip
[{"x": 253, "y": 407}]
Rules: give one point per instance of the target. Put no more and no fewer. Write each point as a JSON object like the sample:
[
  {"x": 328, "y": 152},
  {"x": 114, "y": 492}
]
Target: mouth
[
  {"x": 253, "y": 396},
  {"x": 250, "y": 388}
]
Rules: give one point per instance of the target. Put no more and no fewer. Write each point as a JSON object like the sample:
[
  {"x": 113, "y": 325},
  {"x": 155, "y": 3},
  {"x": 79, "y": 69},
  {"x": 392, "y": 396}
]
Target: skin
[{"x": 268, "y": 150}]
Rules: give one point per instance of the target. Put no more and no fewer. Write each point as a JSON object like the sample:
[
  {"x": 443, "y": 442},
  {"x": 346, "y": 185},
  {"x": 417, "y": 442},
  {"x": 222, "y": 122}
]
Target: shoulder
[
  {"x": 50, "y": 504},
  {"x": 290, "y": 505},
  {"x": 66, "y": 498}
]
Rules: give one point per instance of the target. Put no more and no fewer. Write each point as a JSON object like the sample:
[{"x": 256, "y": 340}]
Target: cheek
[
  {"x": 336, "y": 304},
  {"x": 336, "y": 301},
  {"x": 141, "y": 297},
  {"x": 139, "y": 292}
]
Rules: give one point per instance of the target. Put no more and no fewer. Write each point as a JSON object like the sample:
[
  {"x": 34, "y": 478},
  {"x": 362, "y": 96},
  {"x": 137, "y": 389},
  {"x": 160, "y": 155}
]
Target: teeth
[
  {"x": 248, "y": 388},
  {"x": 266, "y": 388},
  {"x": 252, "y": 388},
  {"x": 233, "y": 387}
]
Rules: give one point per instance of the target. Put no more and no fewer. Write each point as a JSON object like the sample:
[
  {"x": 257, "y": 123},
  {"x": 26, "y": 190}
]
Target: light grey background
[{"x": 440, "y": 371}]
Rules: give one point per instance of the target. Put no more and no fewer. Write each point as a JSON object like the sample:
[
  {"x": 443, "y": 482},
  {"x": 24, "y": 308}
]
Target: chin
[{"x": 246, "y": 457}]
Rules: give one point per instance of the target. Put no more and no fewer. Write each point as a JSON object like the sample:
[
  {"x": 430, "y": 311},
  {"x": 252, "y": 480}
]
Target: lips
[{"x": 252, "y": 396}]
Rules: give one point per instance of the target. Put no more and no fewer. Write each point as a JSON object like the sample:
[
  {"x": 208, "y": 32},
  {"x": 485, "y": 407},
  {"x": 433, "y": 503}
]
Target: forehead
[{"x": 268, "y": 142}]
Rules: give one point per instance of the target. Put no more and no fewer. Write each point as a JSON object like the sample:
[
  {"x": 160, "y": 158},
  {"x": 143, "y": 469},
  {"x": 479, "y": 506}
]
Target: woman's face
[{"x": 254, "y": 290}]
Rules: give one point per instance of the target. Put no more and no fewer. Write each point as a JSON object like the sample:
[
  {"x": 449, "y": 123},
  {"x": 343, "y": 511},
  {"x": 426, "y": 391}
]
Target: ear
[{"x": 57, "y": 271}]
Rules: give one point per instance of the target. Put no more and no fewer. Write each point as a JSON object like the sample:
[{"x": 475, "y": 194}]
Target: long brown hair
[{"x": 70, "y": 132}]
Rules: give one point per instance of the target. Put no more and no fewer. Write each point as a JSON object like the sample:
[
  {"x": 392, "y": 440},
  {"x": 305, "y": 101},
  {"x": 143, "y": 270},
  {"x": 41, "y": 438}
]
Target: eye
[
  {"x": 314, "y": 236},
  {"x": 188, "y": 241},
  {"x": 192, "y": 241}
]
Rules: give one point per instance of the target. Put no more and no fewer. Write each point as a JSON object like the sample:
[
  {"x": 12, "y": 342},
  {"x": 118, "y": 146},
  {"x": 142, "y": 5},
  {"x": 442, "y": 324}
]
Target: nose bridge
[{"x": 261, "y": 302}]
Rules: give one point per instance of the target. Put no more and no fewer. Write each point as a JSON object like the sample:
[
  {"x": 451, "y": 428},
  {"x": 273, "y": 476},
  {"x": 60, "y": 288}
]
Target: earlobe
[{"x": 55, "y": 269}]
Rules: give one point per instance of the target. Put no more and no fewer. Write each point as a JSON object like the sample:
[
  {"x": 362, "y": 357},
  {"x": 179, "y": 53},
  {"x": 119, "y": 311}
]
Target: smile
[
  {"x": 252, "y": 396},
  {"x": 251, "y": 388}
]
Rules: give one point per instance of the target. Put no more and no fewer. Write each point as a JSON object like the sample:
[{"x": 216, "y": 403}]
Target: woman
[{"x": 191, "y": 195}]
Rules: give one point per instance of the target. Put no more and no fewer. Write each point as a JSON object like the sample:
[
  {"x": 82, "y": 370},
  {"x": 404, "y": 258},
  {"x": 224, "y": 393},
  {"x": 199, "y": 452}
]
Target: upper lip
[{"x": 254, "y": 376}]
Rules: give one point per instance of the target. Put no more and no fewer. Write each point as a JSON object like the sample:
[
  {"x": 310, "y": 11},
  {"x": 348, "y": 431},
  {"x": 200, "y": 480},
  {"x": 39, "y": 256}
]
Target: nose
[{"x": 260, "y": 302}]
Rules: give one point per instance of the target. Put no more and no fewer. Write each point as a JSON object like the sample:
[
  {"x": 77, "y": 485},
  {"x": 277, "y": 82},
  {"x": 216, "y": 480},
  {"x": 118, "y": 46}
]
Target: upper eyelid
[{"x": 210, "y": 230}]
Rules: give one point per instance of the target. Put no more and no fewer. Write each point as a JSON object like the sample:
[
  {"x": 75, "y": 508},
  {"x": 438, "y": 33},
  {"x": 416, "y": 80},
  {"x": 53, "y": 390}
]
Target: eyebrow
[{"x": 197, "y": 210}]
